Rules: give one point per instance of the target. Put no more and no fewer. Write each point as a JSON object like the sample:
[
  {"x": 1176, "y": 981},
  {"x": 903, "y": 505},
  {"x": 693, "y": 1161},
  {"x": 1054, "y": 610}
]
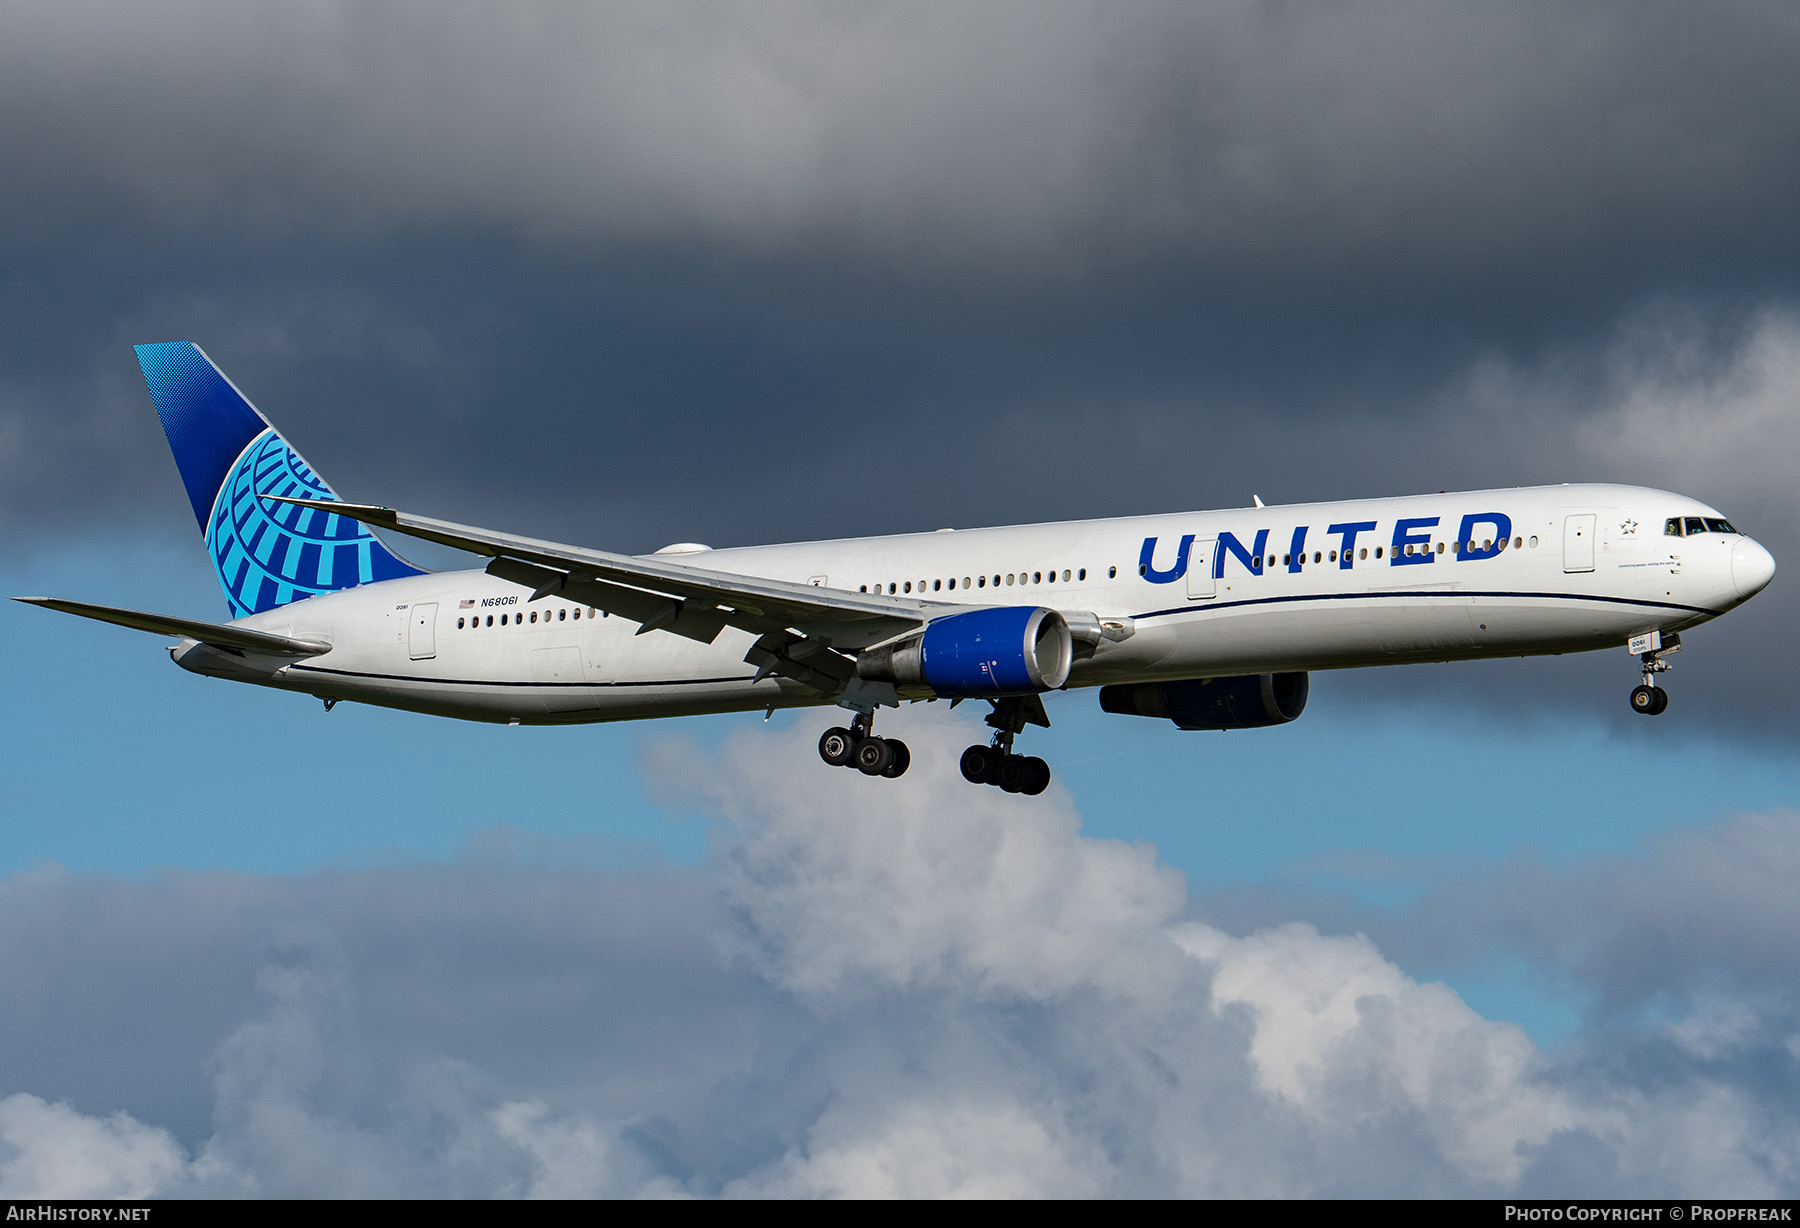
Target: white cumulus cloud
[{"x": 872, "y": 988}]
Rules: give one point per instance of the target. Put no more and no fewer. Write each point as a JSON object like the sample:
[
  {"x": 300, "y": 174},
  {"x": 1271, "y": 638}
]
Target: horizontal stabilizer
[{"x": 240, "y": 639}]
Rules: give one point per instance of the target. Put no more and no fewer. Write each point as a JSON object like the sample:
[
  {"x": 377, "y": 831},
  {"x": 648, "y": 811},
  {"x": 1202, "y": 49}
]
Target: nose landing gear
[
  {"x": 1647, "y": 697},
  {"x": 858, "y": 747}
]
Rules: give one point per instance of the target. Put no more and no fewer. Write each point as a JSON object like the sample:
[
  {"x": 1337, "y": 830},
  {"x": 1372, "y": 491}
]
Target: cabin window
[
  {"x": 1112, "y": 573},
  {"x": 1672, "y": 527},
  {"x": 907, "y": 587},
  {"x": 1286, "y": 560},
  {"x": 1009, "y": 579},
  {"x": 561, "y": 615},
  {"x": 459, "y": 624},
  {"x": 1695, "y": 525},
  {"x": 490, "y": 621},
  {"x": 1534, "y": 542},
  {"x": 534, "y": 616},
  {"x": 1082, "y": 574},
  {"x": 892, "y": 588},
  {"x": 981, "y": 583},
  {"x": 1365, "y": 552},
  {"x": 1065, "y": 575},
  {"x": 936, "y": 585},
  {"x": 1378, "y": 552},
  {"x": 1715, "y": 525},
  {"x": 1334, "y": 556},
  {"x": 965, "y": 581},
  {"x": 1440, "y": 549},
  {"x": 1037, "y": 577},
  {"x": 1518, "y": 543}
]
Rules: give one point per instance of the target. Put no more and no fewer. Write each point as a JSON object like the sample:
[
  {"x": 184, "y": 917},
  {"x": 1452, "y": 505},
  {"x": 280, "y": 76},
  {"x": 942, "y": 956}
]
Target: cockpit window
[{"x": 1672, "y": 527}]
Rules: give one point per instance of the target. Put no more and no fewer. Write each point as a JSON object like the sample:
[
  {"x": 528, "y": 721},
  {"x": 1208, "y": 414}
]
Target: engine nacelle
[
  {"x": 1248, "y": 701},
  {"x": 1012, "y": 650}
]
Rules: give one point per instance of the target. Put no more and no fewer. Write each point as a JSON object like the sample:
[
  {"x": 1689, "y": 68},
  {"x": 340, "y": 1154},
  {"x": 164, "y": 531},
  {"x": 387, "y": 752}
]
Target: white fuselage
[{"x": 1583, "y": 567}]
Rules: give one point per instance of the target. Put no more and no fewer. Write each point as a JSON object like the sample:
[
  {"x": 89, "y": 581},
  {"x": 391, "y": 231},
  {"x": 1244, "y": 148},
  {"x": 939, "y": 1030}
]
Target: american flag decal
[{"x": 467, "y": 603}]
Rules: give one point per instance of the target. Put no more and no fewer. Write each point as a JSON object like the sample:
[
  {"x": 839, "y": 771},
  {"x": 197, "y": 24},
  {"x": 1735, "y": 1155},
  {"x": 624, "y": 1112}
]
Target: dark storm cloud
[
  {"x": 1010, "y": 135},
  {"x": 912, "y": 990}
]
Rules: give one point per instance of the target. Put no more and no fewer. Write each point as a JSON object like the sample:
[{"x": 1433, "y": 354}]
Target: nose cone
[{"x": 1752, "y": 567}]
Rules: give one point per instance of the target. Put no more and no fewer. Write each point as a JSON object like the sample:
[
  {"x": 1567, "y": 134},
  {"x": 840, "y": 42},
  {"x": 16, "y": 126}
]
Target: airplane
[{"x": 1211, "y": 619}]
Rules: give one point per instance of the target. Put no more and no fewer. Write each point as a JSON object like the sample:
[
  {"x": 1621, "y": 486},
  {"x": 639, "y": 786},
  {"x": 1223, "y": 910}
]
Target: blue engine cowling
[
  {"x": 1248, "y": 701},
  {"x": 1009, "y": 650}
]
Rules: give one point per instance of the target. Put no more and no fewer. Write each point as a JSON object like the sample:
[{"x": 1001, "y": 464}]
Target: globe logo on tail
[{"x": 269, "y": 554}]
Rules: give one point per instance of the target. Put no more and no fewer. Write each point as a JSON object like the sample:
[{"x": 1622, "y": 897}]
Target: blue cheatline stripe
[
  {"x": 1248, "y": 601},
  {"x": 351, "y": 673}
]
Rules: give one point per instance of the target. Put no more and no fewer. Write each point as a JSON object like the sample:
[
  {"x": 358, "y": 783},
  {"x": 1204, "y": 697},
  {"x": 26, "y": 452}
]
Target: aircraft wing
[
  {"x": 801, "y": 627},
  {"x": 237, "y": 639}
]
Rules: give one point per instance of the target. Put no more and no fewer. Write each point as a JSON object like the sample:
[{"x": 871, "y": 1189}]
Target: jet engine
[
  {"x": 1248, "y": 701},
  {"x": 983, "y": 654}
]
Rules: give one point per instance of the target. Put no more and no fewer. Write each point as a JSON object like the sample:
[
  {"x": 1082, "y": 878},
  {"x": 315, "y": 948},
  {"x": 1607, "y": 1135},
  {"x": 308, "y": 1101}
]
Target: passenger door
[
  {"x": 1200, "y": 583},
  {"x": 421, "y": 640},
  {"x": 1578, "y": 543}
]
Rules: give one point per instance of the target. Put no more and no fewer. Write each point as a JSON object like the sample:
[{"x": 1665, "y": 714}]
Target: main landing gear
[
  {"x": 995, "y": 763},
  {"x": 1647, "y": 697},
  {"x": 858, "y": 747}
]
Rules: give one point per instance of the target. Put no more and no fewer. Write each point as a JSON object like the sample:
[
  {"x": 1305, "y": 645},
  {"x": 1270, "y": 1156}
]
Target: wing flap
[
  {"x": 240, "y": 639},
  {"x": 655, "y": 611}
]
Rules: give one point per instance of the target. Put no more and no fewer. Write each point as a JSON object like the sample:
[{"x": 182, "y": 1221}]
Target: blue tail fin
[{"x": 266, "y": 554}]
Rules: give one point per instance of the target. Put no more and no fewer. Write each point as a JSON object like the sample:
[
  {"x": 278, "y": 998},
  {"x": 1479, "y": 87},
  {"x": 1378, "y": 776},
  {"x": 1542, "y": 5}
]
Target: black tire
[
  {"x": 1643, "y": 699},
  {"x": 1662, "y": 702},
  {"x": 1013, "y": 774},
  {"x": 836, "y": 745},
  {"x": 873, "y": 756},
  {"x": 1037, "y": 777},
  {"x": 902, "y": 759},
  {"x": 978, "y": 764}
]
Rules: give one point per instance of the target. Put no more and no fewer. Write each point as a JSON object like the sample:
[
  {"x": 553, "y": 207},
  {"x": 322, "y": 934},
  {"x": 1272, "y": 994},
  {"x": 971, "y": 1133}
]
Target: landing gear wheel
[
  {"x": 874, "y": 756},
  {"x": 1037, "y": 777},
  {"x": 836, "y": 746},
  {"x": 1013, "y": 774},
  {"x": 978, "y": 764},
  {"x": 1645, "y": 699},
  {"x": 902, "y": 758},
  {"x": 1662, "y": 702}
]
